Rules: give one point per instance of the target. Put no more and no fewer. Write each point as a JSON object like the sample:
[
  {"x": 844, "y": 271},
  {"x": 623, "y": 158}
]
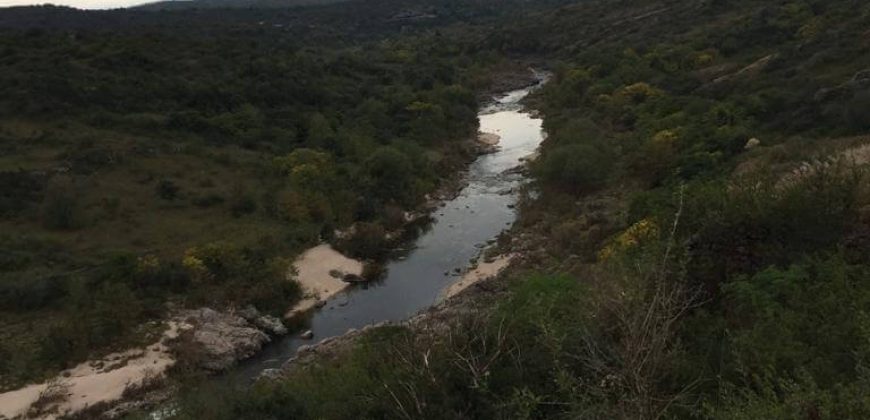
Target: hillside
[
  {"x": 694, "y": 246},
  {"x": 231, "y": 4},
  {"x": 127, "y": 155}
]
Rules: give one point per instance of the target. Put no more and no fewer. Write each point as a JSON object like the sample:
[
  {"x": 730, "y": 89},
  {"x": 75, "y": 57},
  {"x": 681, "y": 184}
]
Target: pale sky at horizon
[{"x": 81, "y": 4}]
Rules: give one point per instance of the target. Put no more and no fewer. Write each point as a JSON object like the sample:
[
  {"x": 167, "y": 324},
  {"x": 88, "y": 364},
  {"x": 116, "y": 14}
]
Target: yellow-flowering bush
[
  {"x": 147, "y": 264},
  {"x": 630, "y": 238},
  {"x": 638, "y": 92},
  {"x": 705, "y": 58},
  {"x": 194, "y": 266},
  {"x": 665, "y": 138}
]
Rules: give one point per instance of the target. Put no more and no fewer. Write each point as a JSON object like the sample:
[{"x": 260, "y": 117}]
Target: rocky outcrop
[
  {"x": 751, "y": 70},
  {"x": 267, "y": 323},
  {"x": 859, "y": 81},
  {"x": 222, "y": 339}
]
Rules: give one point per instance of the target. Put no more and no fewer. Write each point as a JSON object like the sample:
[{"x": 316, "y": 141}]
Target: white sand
[
  {"x": 87, "y": 385},
  {"x": 490, "y": 139},
  {"x": 483, "y": 271},
  {"x": 312, "y": 273}
]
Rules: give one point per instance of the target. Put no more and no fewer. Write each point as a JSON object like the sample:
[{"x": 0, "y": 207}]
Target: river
[{"x": 416, "y": 279}]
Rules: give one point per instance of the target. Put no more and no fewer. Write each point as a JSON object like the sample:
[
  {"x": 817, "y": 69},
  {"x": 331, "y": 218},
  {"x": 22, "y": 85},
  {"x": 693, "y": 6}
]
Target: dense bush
[
  {"x": 576, "y": 167},
  {"x": 367, "y": 241},
  {"x": 61, "y": 206}
]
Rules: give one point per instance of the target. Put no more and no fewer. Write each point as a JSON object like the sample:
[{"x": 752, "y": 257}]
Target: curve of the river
[{"x": 459, "y": 228}]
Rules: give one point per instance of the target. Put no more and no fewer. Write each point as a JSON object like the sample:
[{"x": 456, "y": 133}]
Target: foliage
[{"x": 161, "y": 140}]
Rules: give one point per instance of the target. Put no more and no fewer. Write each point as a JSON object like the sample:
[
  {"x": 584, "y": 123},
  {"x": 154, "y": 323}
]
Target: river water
[{"x": 416, "y": 279}]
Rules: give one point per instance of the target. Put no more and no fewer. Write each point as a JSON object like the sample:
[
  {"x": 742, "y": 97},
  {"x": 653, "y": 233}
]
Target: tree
[
  {"x": 576, "y": 167},
  {"x": 308, "y": 169},
  {"x": 320, "y": 132},
  {"x": 391, "y": 173}
]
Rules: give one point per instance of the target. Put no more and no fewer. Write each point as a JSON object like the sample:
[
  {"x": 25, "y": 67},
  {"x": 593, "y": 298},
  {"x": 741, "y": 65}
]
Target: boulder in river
[{"x": 307, "y": 335}]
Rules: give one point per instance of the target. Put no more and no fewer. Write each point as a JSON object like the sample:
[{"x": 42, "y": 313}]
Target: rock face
[
  {"x": 224, "y": 338},
  {"x": 859, "y": 81}
]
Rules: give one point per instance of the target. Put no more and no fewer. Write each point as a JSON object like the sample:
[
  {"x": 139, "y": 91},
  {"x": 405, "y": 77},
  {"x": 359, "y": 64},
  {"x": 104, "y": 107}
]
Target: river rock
[
  {"x": 270, "y": 324},
  {"x": 269, "y": 374},
  {"x": 223, "y": 338},
  {"x": 248, "y": 313},
  {"x": 307, "y": 335}
]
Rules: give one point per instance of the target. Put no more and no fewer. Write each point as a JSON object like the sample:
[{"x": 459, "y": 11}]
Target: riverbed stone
[
  {"x": 249, "y": 313},
  {"x": 267, "y": 323},
  {"x": 270, "y": 324}
]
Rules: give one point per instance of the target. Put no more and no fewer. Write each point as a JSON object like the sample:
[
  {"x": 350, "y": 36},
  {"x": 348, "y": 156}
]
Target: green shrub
[
  {"x": 167, "y": 189},
  {"x": 856, "y": 111},
  {"x": 243, "y": 203},
  {"x": 578, "y": 167},
  {"x": 61, "y": 206},
  {"x": 27, "y": 294},
  {"x": 18, "y": 191},
  {"x": 809, "y": 317},
  {"x": 209, "y": 200},
  {"x": 368, "y": 241},
  {"x": 390, "y": 173}
]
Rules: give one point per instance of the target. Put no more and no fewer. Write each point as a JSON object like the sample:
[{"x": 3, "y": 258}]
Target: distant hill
[
  {"x": 230, "y": 4},
  {"x": 333, "y": 19}
]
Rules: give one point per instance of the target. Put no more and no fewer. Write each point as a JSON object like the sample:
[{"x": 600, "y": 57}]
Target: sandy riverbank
[
  {"x": 95, "y": 381},
  {"x": 313, "y": 269},
  {"x": 483, "y": 271}
]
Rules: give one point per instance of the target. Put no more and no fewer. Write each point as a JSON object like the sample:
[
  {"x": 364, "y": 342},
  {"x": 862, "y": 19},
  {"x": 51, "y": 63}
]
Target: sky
[{"x": 81, "y": 4}]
